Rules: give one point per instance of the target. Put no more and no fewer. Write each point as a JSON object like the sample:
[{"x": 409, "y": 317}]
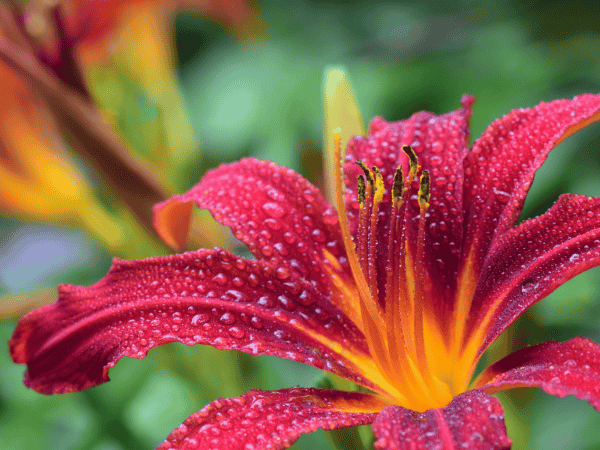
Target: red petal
[
  {"x": 559, "y": 368},
  {"x": 472, "y": 420},
  {"x": 441, "y": 143},
  {"x": 207, "y": 297},
  {"x": 499, "y": 169},
  {"x": 272, "y": 209},
  {"x": 271, "y": 420},
  {"x": 528, "y": 262}
]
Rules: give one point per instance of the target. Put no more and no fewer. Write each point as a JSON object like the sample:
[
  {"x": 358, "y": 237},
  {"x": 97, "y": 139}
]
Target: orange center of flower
[{"x": 395, "y": 331}]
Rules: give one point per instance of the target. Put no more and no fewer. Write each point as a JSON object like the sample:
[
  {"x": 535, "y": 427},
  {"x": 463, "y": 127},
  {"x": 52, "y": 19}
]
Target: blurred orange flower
[{"x": 47, "y": 52}]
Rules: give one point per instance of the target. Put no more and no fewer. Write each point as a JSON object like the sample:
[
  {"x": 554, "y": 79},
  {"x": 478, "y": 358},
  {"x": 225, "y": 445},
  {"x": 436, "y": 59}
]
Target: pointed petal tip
[
  {"x": 172, "y": 221},
  {"x": 467, "y": 101}
]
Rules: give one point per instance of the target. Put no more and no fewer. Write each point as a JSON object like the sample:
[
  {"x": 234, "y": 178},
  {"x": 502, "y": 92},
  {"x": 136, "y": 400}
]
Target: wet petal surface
[
  {"x": 500, "y": 167},
  {"x": 206, "y": 297},
  {"x": 279, "y": 215},
  {"x": 529, "y": 261},
  {"x": 559, "y": 368},
  {"x": 271, "y": 420},
  {"x": 473, "y": 420}
]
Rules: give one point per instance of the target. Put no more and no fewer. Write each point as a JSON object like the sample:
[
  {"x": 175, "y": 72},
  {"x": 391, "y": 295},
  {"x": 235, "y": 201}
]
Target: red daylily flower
[{"x": 400, "y": 291}]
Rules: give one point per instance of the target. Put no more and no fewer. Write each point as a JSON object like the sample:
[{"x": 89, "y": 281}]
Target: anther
[
  {"x": 361, "y": 190},
  {"x": 412, "y": 156},
  {"x": 398, "y": 185},
  {"x": 368, "y": 173},
  {"x": 424, "y": 188}
]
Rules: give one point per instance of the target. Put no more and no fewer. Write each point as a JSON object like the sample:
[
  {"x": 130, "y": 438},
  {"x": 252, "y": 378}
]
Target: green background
[{"x": 265, "y": 99}]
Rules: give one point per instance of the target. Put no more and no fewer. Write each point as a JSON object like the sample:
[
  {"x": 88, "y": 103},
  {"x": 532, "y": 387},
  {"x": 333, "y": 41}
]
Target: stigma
[{"x": 389, "y": 279}]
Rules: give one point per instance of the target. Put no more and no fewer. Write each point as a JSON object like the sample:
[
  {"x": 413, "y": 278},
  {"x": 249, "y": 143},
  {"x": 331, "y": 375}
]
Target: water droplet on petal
[
  {"x": 256, "y": 322},
  {"x": 227, "y": 319},
  {"x": 237, "y": 332},
  {"x": 200, "y": 318},
  {"x": 529, "y": 286},
  {"x": 220, "y": 279},
  {"x": 234, "y": 295},
  {"x": 318, "y": 235},
  {"x": 501, "y": 196},
  {"x": 283, "y": 273},
  {"x": 273, "y": 210},
  {"x": 266, "y": 302},
  {"x": 330, "y": 217},
  {"x": 306, "y": 298},
  {"x": 177, "y": 317},
  {"x": 287, "y": 303}
]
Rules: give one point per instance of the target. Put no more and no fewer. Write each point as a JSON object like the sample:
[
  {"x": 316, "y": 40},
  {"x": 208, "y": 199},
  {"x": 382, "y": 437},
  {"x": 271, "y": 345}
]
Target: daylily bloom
[{"x": 400, "y": 288}]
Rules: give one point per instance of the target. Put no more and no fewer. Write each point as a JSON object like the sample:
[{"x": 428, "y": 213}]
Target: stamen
[
  {"x": 372, "y": 258},
  {"x": 363, "y": 221},
  {"x": 395, "y": 333},
  {"x": 361, "y": 190},
  {"x": 405, "y": 298},
  {"x": 414, "y": 163},
  {"x": 367, "y": 171},
  {"x": 367, "y": 301},
  {"x": 420, "y": 274},
  {"x": 398, "y": 186}
]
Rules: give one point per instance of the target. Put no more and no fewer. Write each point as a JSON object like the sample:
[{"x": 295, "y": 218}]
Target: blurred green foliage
[{"x": 264, "y": 99}]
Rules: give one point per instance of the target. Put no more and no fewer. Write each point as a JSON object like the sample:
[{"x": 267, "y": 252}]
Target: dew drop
[
  {"x": 528, "y": 286},
  {"x": 435, "y": 160},
  {"x": 256, "y": 322},
  {"x": 274, "y": 194},
  {"x": 227, "y": 319},
  {"x": 234, "y": 295},
  {"x": 200, "y": 318},
  {"x": 273, "y": 210},
  {"x": 191, "y": 310},
  {"x": 266, "y": 302},
  {"x": 287, "y": 303},
  {"x": 289, "y": 237},
  {"x": 574, "y": 257},
  {"x": 177, "y": 317},
  {"x": 273, "y": 224},
  {"x": 306, "y": 298},
  {"x": 330, "y": 217},
  {"x": 237, "y": 332},
  {"x": 283, "y": 273},
  {"x": 501, "y": 196},
  {"x": 220, "y": 279},
  {"x": 253, "y": 414},
  {"x": 308, "y": 196},
  {"x": 318, "y": 235}
]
